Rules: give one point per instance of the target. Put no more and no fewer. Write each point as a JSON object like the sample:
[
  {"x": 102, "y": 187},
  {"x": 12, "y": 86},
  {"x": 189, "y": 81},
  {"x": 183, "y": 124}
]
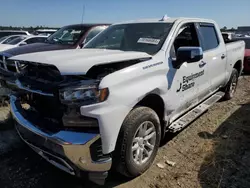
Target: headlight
[{"x": 85, "y": 94}]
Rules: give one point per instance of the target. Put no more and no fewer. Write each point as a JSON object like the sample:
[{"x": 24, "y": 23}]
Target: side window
[
  {"x": 35, "y": 40},
  {"x": 209, "y": 37},
  {"x": 41, "y": 39},
  {"x": 187, "y": 36},
  {"x": 93, "y": 32},
  {"x": 9, "y": 39}
]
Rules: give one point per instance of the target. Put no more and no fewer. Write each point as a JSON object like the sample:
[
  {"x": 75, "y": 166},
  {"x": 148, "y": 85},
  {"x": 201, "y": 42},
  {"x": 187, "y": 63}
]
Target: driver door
[{"x": 186, "y": 84}]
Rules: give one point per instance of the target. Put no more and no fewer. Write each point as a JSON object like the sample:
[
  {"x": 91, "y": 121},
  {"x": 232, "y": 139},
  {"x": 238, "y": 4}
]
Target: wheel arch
[
  {"x": 238, "y": 66},
  {"x": 156, "y": 103}
]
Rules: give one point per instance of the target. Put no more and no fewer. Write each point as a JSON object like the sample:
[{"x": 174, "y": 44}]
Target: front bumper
[{"x": 69, "y": 151}]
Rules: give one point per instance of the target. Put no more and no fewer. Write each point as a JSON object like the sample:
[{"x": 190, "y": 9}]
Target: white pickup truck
[{"x": 113, "y": 102}]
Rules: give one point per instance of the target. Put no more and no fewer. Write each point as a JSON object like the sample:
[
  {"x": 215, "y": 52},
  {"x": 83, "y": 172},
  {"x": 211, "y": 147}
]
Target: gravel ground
[{"x": 213, "y": 151}]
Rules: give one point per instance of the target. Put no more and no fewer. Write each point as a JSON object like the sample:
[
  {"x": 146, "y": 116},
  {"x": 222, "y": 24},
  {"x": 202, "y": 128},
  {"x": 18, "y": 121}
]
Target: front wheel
[
  {"x": 138, "y": 142},
  {"x": 232, "y": 85}
]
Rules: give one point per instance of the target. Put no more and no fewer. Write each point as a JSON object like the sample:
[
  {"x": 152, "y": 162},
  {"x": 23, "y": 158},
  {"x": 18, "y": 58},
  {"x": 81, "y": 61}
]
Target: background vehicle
[
  {"x": 68, "y": 37},
  {"x": 114, "y": 100},
  {"x": 45, "y": 32},
  {"x": 228, "y": 36},
  {"x": 7, "y": 39},
  {"x": 4, "y": 33},
  {"x": 247, "y": 53},
  {"x": 21, "y": 41}
]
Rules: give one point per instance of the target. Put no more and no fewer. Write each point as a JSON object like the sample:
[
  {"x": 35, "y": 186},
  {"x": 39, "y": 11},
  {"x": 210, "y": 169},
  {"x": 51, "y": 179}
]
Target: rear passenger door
[{"x": 214, "y": 54}]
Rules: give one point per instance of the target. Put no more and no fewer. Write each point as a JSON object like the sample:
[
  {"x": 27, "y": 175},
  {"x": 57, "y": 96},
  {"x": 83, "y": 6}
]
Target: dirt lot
[{"x": 214, "y": 151}]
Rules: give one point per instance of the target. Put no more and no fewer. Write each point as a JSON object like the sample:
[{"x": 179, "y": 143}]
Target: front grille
[
  {"x": 10, "y": 65},
  {"x": 40, "y": 77},
  {"x": 44, "y": 112}
]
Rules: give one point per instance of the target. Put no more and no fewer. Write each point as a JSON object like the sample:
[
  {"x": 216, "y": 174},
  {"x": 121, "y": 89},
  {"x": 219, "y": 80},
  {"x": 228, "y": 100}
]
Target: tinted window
[
  {"x": 35, "y": 40},
  {"x": 69, "y": 35},
  {"x": 9, "y": 39},
  {"x": 94, "y": 32},
  {"x": 142, "y": 37},
  {"x": 209, "y": 37},
  {"x": 17, "y": 40},
  {"x": 3, "y": 38}
]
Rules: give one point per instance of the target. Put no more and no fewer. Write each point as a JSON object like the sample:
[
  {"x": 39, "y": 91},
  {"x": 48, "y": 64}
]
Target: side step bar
[{"x": 193, "y": 114}]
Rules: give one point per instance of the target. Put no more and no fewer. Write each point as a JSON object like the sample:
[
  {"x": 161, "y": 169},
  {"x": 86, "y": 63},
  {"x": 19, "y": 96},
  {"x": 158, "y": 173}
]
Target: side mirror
[
  {"x": 23, "y": 43},
  {"x": 188, "y": 54}
]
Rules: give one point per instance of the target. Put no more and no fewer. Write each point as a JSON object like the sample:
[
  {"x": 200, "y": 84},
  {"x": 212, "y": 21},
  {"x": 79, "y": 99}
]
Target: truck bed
[{"x": 235, "y": 50}]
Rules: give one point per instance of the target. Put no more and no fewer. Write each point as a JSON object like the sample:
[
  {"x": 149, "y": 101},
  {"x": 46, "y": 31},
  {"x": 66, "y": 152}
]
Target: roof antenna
[
  {"x": 83, "y": 11},
  {"x": 165, "y": 17}
]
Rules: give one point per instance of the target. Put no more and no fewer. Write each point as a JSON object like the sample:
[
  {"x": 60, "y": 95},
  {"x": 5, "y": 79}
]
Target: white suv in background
[
  {"x": 4, "y": 33},
  {"x": 7, "y": 39},
  {"x": 21, "y": 41}
]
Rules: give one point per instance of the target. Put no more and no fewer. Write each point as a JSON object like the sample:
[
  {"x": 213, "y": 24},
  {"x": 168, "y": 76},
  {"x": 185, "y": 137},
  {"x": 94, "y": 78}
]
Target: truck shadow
[
  {"x": 21, "y": 167},
  {"x": 228, "y": 164}
]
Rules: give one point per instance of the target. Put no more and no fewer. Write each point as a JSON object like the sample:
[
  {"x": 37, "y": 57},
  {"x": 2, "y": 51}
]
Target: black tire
[
  {"x": 123, "y": 160},
  {"x": 231, "y": 85}
]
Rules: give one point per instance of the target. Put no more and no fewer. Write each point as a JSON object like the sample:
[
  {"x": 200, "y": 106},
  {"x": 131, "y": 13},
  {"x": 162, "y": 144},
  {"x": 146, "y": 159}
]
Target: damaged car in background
[
  {"x": 112, "y": 102},
  {"x": 67, "y": 37}
]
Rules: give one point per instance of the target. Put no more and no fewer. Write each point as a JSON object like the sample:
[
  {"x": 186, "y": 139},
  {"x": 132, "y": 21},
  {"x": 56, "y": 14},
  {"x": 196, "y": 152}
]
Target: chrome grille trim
[{"x": 3, "y": 62}]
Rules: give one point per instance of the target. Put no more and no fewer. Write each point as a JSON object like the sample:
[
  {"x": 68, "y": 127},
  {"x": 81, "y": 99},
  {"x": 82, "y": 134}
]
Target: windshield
[
  {"x": 17, "y": 40},
  {"x": 142, "y": 37},
  {"x": 3, "y": 38},
  {"x": 9, "y": 39},
  {"x": 68, "y": 35}
]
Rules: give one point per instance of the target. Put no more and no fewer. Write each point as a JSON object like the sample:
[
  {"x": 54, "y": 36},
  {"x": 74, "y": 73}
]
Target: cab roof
[{"x": 166, "y": 20}]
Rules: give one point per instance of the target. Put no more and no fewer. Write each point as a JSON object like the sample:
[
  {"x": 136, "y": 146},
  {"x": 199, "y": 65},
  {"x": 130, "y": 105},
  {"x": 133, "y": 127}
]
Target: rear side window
[
  {"x": 35, "y": 40},
  {"x": 209, "y": 37}
]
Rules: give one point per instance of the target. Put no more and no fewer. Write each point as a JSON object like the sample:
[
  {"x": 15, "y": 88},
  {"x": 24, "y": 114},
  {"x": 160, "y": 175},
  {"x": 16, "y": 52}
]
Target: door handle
[
  {"x": 223, "y": 56},
  {"x": 202, "y": 64}
]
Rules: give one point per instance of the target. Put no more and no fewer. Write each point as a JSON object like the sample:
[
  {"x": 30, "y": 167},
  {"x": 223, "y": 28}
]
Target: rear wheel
[
  {"x": 138, "y": 142},
  {"x": 232, "y": 85}
]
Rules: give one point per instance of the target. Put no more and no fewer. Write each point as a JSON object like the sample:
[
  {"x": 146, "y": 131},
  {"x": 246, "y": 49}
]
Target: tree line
[
  {"x": 25, "y": 28},
  {"x": 227, "y": 29}
]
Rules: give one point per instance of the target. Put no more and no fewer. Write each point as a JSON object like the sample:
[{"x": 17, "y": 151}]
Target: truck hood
[
  {"x": 36, "y": 47},
  {"x": 4, "y": 47},
  {"x": 79, "y": 61},
  {"x": 247, "y": 52}
]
